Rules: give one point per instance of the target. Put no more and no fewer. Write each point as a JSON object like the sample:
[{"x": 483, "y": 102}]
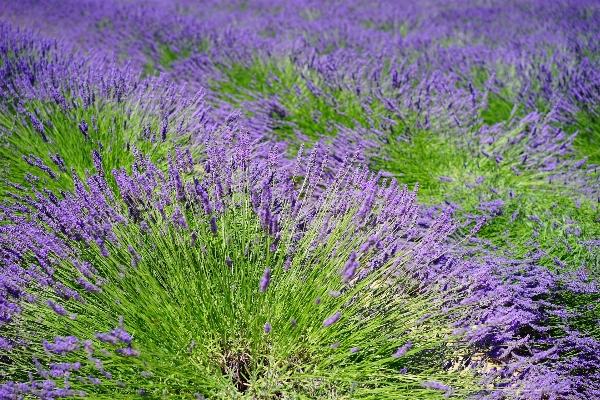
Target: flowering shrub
[
  {"x": 53, "y": 105},
  {"x": 224, "y": 283}
]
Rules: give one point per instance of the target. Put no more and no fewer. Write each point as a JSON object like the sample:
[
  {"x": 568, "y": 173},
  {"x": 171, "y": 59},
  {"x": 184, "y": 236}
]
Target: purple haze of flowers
[{"x": 483, "y": 282}]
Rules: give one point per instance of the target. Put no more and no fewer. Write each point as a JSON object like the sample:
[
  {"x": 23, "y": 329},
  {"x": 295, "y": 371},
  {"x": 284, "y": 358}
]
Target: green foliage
[
  {"x": 166, "y": 56},
  {"x": 498, "y": 110},
  {"x": 587, "y": 141},
  {"x": 307, "y": 105},
  {"x": 427, "y": 157}
]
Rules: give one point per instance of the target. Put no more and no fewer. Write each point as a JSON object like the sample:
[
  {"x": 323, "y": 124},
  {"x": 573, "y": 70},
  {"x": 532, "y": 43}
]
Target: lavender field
[{"x": 235, "y": 199}]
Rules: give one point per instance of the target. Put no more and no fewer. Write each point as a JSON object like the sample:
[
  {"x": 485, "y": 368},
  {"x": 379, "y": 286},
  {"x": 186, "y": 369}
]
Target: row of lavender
[{"x": 59, "y": 107}]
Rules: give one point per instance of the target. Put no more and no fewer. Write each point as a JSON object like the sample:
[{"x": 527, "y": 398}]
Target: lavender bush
[
  {"x": 225, "y": 284},
  {"x": 55, "y": 111}
]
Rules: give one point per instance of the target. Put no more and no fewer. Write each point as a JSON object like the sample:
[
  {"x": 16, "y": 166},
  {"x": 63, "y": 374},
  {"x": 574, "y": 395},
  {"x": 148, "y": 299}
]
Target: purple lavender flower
[
  {"x": 61, "y": 370},
  {"x": 38, "y": 125},
  {"x": 435, "y": 386},
  {"x": 265, "y": 280},
  {"x": 213, "y": 224},
  {"x": 273, "y": 246},
  {"x": 94, "y": 381},
  {"x": 57, "y": 308},
  {"x": 128, "y": 352},
  {"x": 332, "y": 320},
  {"x": 106, "y": 338},
  {"x": 514, "y": 216},
  {"x": 478, "y": 225},
  {"x": 90, "y": 287},
  {"x": 83, "y": 127},
  {"x": 402, "y": 350},
  {"x": 349, "y": 268},
  {"x": 62, "y": 345}
]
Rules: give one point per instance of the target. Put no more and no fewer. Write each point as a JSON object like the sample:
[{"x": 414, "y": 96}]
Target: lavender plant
[
  {"x": 55, "y": 111},
  {"x": 228, "y": 283}
]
